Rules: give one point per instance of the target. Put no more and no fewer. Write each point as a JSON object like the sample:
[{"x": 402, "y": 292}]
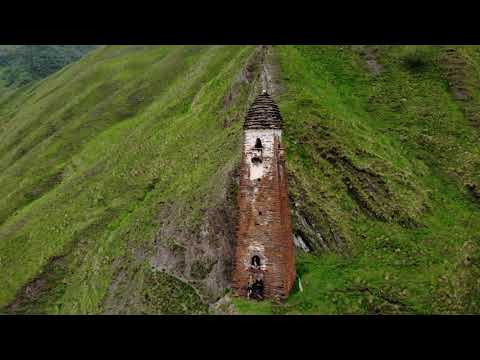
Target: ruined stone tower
[{"x": 264, "y": 252}]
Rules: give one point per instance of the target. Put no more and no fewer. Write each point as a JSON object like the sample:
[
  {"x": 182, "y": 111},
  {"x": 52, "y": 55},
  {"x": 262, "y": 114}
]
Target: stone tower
[{"x": 264, "y": 264}]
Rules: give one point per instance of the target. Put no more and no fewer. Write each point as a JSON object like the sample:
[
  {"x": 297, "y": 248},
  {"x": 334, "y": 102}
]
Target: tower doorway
[{"x": 256, "y": 290}]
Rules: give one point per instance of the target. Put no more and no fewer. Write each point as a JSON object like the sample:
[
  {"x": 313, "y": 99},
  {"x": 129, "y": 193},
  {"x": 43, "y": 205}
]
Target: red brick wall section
[{"x": 268, "y": 235}]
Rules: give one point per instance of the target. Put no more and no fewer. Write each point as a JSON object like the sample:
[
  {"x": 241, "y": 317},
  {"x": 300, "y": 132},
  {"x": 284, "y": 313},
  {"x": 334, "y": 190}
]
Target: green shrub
[{"x": 416, "y": 58}]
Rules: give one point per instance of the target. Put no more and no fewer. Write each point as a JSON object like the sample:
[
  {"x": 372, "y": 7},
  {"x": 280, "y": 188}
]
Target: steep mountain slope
[
  {"x": 385, "y": 167},
  {"x": 118, "y": 179},
  {"x": 21, "y": 64},
  {"x": 118, "y": 166}
]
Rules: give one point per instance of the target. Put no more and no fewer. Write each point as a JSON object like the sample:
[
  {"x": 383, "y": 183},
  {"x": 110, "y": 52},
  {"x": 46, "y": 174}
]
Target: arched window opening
[
  {"x": 257, "y": 152},
  {"x": 256, "y": 261}
]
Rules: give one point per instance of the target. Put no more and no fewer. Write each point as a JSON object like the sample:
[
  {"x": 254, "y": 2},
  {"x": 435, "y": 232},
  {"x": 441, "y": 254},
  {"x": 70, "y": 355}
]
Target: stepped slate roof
[{"x": 263, "y": 114}]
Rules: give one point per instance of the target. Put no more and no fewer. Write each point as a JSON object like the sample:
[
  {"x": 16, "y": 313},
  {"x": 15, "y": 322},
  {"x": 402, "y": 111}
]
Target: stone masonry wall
[{"x": 264, "y": 227}]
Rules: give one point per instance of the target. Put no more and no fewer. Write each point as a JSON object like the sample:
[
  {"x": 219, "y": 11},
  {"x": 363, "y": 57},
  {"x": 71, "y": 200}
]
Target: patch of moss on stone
[
  {"x": 174, "y": 246},
  {"x": 201, "y": 268}
]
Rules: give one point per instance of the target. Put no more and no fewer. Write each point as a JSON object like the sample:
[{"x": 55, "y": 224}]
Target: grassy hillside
[
  {"x": 101, "y": 156},
  {"x": 22, "y": 64},
  {"x": 117, "y": 179},
  {"x": 385, "y": 163}
]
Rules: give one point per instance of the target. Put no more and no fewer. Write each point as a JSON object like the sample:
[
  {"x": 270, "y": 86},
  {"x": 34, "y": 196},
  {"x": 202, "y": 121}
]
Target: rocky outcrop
[
  {"x": 224, "y": 306},
  {"x": 316, "y": 236},
  {"x": 201, "y": 256}
]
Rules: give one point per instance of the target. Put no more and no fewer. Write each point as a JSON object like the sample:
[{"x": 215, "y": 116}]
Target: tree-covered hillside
[
  {"x": 118, "y": 179},
  {"x": 21, "y": 64}
]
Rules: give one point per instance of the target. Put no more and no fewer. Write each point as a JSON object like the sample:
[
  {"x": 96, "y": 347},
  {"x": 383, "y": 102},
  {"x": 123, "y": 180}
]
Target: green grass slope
[
  {"x": 117, "y": 179},
  {"x": 96, "y": 159},
  {"x": 384, "y": 160}
]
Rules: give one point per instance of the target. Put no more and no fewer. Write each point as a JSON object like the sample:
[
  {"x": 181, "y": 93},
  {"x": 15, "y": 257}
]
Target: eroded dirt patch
[
  {"x": 46, "y": 286},
  {"x": 463, "y": 80},
  {"x": 369, "y": 190},
  {"x": 50, "y": 284},
  {"x": 368, "y": 54}
]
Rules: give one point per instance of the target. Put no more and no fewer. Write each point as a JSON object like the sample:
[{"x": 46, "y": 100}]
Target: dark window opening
[
  {"x": 255, "y": 291},
  {"x": 255, "y": 261},
  {"x": 258, "y": 144},
  {"x": 260, "y": 213},
  {"x": 256, "y": 160}
]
